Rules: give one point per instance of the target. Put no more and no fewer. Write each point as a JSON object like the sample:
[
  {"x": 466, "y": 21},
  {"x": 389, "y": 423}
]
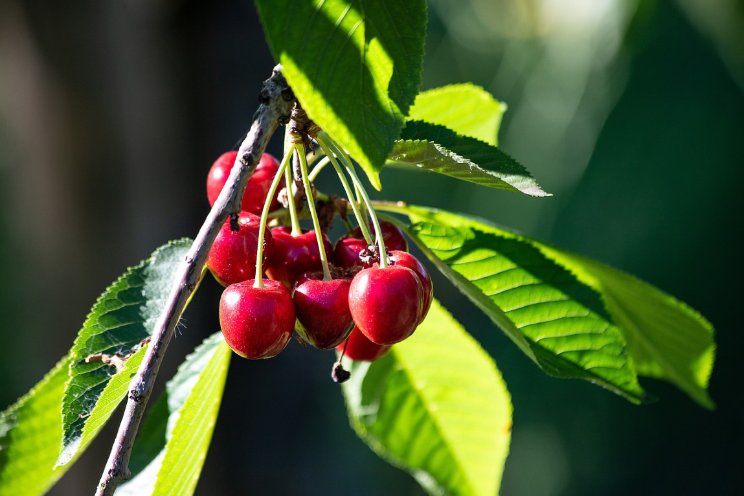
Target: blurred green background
[{"x": 630, "y": 112}]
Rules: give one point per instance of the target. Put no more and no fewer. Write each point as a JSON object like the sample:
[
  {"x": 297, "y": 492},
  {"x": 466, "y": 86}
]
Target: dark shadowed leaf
[{"x": 117, "y": 324}]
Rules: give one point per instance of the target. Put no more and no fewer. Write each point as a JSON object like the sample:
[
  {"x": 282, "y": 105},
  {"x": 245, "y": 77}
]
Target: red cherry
[
  {"x": 386, "y": 303},
  {"x": 405, "y": 259},
  {"x": 322, "y": 307},
  {"x": 232, "y": 257},
  {"x": 257, "y": 322},
  {"x": 258, "y": 184},
  {"x": 291, "y": 256},
  {"x": 347, "y": 250},
  {"x": 361, "y": 348},
  {"x": 391, "y": 235}
]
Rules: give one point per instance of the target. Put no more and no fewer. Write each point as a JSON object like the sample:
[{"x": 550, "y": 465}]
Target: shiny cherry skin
[
  {"x": 361, "y": 348},
  {"x": 257, "y": 322},
  {"x": 391, "y": 235},
  {"x": 258, "y": 184},
  {"x": 291, "y": 256},
  {"x": 386, "y": 303},
  {"x": 232, "y": 257},
  {"x": 322, "y": 308},
  {"x": 405, "y": 259},
  {"x": 347, "y": 249}
]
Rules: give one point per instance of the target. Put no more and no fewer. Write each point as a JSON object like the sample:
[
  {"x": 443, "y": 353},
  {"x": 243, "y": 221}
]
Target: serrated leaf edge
[
  {"x": 522, "y": 342},
  {"x": 67, "y": 453},
  {"x": 534, "y": 190}
]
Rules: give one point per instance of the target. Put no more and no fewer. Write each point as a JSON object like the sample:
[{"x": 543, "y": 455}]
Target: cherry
[
  {"x": 386, "y": 303},
  {"x": 359, "y": 347},
  {"x": 258, "y": 184},
  {"x": 257, "y": 322},
  {"x": 291, "y": 256},
  {"x": 391, "y": 235},
  {"x": 232, "y": 257},
  {"x": 322, "y": 307},
  {"x": 347, "y": 249},
  {"x": 405, "y": 259}
]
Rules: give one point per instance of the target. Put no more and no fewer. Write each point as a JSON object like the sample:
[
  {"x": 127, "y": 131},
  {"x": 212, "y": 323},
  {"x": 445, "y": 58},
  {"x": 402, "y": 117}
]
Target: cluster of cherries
[{"x": 365, "y": 306}]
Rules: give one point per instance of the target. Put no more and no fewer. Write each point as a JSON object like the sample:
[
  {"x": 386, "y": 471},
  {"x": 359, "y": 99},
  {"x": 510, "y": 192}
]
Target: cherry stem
[
  {"x": 291, "y": 206},
  {"x": 300, "y": 150},
  {"x": 347, "y": 189},
  {"x": 365, "y": 198},
  {"x": 359, "y": 200},
  {"x": 290, "y": 186},
  {"x": 343, "y": 351},
  {"x": 358, "y": 196},
  {"x": 265, "y": 217},
  {"x": 319, "y": 167}
]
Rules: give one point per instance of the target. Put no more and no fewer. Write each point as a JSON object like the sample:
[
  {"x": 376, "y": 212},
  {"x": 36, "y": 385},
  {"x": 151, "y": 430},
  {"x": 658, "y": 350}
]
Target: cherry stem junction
[
  {"x": 365, "y": 198},
  {"x": 347, "y": 189},
  {"x": 289, "y": 185}
]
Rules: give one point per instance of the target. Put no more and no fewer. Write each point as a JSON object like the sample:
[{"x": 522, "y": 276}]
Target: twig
[{"x": 276, "y": 103}]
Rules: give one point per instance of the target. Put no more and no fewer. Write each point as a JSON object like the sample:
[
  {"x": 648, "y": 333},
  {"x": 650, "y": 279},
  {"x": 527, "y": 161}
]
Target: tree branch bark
[{"x": 276, "y": 100}]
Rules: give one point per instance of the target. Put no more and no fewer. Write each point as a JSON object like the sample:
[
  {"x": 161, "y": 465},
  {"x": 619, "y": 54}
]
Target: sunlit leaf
[
  {"x": 666, "y": 338},
  {"x": 556, "y": 320},
  {"x": 569, "y": 312},
  {"x": 435, "y": 148},
  {"x": 173, "y": 441},
  {"x": 435, "y": 406},
  {"x": 30, "y": 435},
  {"x": 31, "y": 430},
  {"x": 465, "y": 108},
  {"x": 354, "y": 65}
]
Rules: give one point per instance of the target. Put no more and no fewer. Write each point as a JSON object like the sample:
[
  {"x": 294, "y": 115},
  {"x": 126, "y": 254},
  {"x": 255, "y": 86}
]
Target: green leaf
[
  {"x": 117, "y": 324},
  {"x": 31, "y": 430},
  {"x": 435, "y": 148},
  {"x": 30, "y": 434},
  {"x": 667, "y": 339},
  {"x": 435, "y": 406},
  {"x": 465, "y": 108},
  {"x": 517, "y": 280},
  {"x": 558, "y": 321},
  {"x": 172, "y": 444},
  {"x": 354, "y": 66},
  {"x": 115, "y": 390}
]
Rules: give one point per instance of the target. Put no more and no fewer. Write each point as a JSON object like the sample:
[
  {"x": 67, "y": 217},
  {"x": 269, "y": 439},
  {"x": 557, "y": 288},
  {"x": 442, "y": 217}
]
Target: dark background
[{"x": 632, "y": 113}]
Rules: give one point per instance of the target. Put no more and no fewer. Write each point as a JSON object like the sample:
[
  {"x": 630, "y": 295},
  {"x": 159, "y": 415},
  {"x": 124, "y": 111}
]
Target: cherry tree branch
[{"x": 276, "y": 100}]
